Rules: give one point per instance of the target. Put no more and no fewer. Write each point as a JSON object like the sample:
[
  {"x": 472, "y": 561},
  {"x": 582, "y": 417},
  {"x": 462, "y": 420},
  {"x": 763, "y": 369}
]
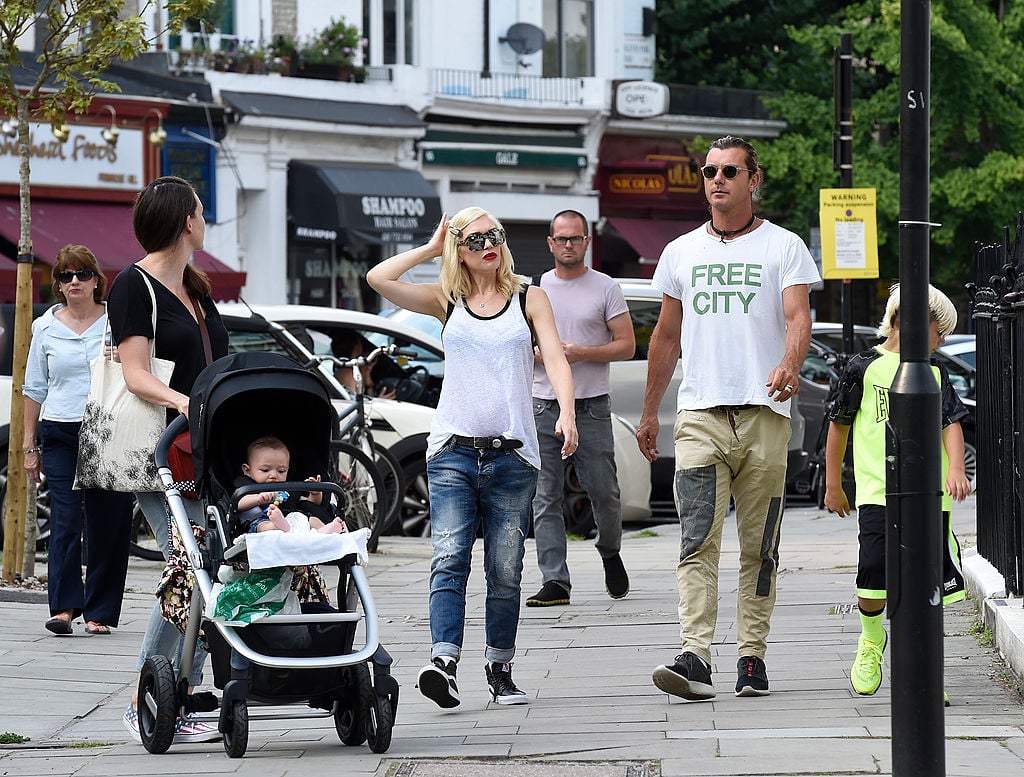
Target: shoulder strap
[
  {"x": 203, "y": 330},
  {"x": 522, "y": 305},
  {"x": 152, "y": 302},
  {"x": 535, "y": 280}
]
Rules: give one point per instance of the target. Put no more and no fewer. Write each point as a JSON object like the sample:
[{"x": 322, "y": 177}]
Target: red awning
[
  {"x": 648, "y": 237},
  {"x": 106, "y": 229},
  {"x": 9, "y": 280}
]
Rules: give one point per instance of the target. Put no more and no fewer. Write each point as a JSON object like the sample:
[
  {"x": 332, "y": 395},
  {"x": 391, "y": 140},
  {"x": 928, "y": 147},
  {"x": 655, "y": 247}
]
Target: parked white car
[{"x": 316, "y": 326}]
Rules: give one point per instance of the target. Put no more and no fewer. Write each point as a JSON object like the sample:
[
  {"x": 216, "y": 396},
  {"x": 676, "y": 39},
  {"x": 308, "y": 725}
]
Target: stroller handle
[{"x": 163, "y": 446}]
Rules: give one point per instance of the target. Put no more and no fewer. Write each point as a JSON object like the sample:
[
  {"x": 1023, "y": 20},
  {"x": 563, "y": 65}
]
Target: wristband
[{"x": 33, "y": 450}]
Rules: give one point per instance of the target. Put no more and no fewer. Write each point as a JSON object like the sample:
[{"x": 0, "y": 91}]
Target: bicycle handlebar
[{"x": 361, "y": 361}]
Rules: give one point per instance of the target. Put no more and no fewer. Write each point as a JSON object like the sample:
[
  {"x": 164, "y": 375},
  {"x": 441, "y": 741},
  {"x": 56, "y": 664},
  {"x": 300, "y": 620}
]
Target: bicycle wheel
[
  {"x": 363, "y": 486},
  {"x": 393, "y": 475}
]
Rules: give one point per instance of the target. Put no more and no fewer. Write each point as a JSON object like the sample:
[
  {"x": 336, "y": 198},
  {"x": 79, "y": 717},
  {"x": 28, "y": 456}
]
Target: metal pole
[
  {"x": 913, "y": 444},
  {"x": 844, "y": 116}
]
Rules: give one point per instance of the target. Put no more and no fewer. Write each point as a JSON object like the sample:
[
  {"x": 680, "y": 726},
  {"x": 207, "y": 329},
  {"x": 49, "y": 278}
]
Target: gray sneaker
[{"x": 688, "y": 678}]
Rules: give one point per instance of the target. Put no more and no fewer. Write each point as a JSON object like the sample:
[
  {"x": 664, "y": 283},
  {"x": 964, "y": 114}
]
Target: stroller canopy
[{"x": 244, "y": 396}]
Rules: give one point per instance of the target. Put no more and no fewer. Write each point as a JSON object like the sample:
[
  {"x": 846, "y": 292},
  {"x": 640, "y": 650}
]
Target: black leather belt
[
  {"x": 488, "y": 443},
  {"x": 730, "y": 408}
]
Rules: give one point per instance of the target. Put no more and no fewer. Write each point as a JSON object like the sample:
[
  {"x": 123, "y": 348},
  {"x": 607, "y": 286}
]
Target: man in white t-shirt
[
  {"x": 595, "y": 328},
  {"x": 735, "y": 308}
]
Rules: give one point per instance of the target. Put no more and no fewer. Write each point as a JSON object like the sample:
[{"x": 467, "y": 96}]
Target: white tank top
[{"x": 488, "y": 379}]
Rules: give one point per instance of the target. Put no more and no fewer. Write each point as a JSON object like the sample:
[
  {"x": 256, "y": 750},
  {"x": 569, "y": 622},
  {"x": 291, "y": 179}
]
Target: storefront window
[{"x": 568, "y": 50}]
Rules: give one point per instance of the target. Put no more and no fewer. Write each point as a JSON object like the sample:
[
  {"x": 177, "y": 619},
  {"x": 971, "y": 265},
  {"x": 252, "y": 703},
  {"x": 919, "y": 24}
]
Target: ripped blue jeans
[{"x": 471, "y": 489}]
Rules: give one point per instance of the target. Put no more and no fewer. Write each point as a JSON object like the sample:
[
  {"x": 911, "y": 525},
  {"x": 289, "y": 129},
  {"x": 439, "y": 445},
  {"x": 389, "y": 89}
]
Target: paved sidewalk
[{"x": 593, "y": 710}]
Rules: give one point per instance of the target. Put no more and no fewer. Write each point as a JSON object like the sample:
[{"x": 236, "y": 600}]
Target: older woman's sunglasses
[
  {"x": 729, "y": 171},
  {"x": 478, "y": 240},
  {"x": 66, "y": 276}
]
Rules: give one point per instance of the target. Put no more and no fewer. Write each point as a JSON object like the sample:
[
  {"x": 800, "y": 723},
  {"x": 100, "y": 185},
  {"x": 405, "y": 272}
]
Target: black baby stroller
[{"x": 296, "y": 659}]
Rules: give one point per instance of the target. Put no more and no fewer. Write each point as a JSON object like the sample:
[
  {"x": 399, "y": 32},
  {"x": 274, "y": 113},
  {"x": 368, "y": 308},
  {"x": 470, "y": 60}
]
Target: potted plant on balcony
[
  {"x": 284, "y": 54},
  {"x": 332, "y": 53}
]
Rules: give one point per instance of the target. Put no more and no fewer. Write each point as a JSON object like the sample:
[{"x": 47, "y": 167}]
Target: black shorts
[{"x": 871, "y": 560}]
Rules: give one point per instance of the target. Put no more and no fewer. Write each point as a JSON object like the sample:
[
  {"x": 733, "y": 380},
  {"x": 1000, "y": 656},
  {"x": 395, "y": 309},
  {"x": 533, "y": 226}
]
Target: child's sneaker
[
  {"x": 503, "y": 690},
  {"x": 187, "y": 731},
  {"x": 689, "y": 678},
  {"x": 131, "y": 722},
  {"x": 436, "y": 681},
  {"x": 866, "y": 672}
]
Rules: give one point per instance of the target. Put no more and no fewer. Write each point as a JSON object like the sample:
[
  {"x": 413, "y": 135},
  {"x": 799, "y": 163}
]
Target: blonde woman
[{"x": 482, "y": 452}]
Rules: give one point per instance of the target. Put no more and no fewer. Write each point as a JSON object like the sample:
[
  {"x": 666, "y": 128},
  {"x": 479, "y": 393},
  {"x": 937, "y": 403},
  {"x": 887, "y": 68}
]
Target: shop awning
[
  {"x": 649, "y": 237},
  {"x": 106, "y": 230},
  {"x": 359, "y": 204},
  {"x": 9, "y": 280}
]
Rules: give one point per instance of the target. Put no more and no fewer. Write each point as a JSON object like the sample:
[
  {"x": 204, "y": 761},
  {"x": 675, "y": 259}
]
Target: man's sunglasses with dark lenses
[
  {"x": 478, "y": 240},
  {"x": 729, "y": 171},
  {"x": 66, "y": 276},
  {"x": 574, "y": 240}
]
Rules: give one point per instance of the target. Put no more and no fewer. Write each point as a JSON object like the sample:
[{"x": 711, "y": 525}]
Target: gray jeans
[
  {"x": 595, "y": 466},
  {"x": 162, "y": 638}
]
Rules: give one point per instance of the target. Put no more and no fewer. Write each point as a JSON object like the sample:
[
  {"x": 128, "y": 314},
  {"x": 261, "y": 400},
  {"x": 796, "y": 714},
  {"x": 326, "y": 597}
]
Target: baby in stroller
[{"x": 267, "y": 461}]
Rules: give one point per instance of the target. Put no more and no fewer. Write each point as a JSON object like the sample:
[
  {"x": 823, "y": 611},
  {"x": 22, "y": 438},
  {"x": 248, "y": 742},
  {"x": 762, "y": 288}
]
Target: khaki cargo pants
[{"x": 737, "y": 451}]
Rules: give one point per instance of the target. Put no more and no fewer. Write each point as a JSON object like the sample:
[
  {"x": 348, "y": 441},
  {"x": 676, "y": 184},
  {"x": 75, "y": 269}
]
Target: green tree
[
  {"x": 80, "y": 40},
  {"x": 977, "y": 110}
]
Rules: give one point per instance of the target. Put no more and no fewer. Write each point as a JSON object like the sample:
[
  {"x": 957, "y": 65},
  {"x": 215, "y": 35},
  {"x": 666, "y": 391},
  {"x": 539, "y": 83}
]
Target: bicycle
[{"x": 380, "y": 509}]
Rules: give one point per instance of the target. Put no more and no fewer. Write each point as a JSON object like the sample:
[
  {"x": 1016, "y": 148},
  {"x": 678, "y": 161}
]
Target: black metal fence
[{"x": 997, "y": 306}]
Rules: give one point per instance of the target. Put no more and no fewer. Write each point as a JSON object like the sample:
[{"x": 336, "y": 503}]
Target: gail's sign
[{"x": 85, "y": 160}]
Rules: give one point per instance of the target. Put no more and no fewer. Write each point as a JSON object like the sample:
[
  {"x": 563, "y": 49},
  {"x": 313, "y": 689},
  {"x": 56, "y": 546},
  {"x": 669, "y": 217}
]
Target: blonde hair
[
  {"x": 940, "y": 309},
  {"x": 454, "y": 277}
]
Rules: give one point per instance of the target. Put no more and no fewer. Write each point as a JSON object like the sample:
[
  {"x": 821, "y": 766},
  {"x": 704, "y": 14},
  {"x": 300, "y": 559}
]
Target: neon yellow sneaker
[{"x": 866, "y": 672}]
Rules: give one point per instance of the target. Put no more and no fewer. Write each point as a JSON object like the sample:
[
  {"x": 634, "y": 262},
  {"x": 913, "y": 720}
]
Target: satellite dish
[{"x": 524, "y": 38}]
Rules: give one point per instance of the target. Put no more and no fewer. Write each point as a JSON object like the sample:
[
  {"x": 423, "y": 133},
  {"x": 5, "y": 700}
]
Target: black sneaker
[
  {"x": 752, "y": 677},
  {"x": 503, "y": 690},
  {"x": 436, "y": 681},
  {"x": 689, "y": 678},
  {"x": 550, "y": 593},
  {"x": 616, "y": 581}
]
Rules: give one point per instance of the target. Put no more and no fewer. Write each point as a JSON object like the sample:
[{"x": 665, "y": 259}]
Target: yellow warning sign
[{"x": 849, "y": 233}]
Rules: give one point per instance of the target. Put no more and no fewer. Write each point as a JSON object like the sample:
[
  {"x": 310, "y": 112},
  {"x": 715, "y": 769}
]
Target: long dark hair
[{"x": 158, "y": 217}]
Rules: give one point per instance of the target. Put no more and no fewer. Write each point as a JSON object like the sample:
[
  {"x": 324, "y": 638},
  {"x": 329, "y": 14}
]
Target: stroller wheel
[
  {"x": 236, "y": 732},
  {"x": 157, "y": 704},
  {"x": 350, "y": 713},
  {"x": 380, "y": 720}
]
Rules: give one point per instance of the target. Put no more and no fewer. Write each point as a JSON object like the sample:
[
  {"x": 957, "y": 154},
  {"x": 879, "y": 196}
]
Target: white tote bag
[{"x": 120, "y": 430}]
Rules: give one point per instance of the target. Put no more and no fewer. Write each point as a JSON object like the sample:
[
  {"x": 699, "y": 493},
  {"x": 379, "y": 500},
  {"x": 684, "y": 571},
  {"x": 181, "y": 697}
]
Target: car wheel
[
  {"x": 970, "y": 458},
  {"x": 415, "y": 515}
]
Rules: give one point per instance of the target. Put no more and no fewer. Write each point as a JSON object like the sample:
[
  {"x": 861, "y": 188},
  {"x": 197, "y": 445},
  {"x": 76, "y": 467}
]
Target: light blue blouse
[{"x": 58, "y": 372}]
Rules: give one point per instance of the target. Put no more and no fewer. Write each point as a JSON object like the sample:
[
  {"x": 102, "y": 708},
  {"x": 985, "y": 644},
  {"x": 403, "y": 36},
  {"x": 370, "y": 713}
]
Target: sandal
[
  {"x": 92, "y": 627},
  {"x": 60, "y": 624}
]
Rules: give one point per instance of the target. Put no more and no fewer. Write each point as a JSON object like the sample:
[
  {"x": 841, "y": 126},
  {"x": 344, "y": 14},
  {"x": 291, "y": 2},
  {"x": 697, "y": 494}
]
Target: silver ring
[{"x": 789, "y": 388}]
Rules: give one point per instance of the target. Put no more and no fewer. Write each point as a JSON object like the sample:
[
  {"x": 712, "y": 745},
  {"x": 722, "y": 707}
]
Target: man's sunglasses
[
  {"x": 729, "y": 171},
  {"x": 478, "y": 240},
  {"x": 66, "y": 276}
]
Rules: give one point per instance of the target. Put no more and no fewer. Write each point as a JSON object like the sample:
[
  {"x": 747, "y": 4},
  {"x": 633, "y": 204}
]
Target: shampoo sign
[{"x": 86, "y": 160}]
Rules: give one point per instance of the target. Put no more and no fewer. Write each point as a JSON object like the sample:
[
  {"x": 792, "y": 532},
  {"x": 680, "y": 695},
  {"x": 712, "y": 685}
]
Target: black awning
[{"x": 360, "y": 204}]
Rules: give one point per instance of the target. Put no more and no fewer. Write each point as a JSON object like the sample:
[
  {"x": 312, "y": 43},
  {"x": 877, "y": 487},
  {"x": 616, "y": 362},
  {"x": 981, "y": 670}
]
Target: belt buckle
[{"x": 495, "y": 442}]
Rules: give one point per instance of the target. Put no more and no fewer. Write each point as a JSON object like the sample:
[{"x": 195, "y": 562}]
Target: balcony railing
[{"x": 509, "y": 87}]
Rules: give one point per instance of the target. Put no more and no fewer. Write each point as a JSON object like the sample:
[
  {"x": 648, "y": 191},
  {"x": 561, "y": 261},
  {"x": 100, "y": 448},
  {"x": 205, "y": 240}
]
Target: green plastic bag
[{"x": 255, "y": 596}]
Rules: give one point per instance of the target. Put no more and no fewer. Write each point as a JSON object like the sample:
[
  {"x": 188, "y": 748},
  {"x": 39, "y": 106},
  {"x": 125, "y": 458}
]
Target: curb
[{"x": 1003, "y": 614}]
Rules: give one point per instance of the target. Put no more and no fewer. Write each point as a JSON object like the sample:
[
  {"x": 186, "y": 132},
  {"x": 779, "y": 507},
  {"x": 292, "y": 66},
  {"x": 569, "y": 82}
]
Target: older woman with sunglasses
[
  {"x": 482, "y": 453},
  {"x": 64, "y": 340}
]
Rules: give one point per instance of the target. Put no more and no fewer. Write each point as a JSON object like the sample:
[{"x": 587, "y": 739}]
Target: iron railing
[
  {"x": 510, "y": 87},
  {"x": 997, "y": 299}
]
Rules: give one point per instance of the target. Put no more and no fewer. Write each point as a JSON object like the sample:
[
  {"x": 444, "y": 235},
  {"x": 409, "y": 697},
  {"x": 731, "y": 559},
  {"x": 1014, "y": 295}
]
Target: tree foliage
[
  {"x": 78, "y": 41},
  {"x": 977, "y": 108}
]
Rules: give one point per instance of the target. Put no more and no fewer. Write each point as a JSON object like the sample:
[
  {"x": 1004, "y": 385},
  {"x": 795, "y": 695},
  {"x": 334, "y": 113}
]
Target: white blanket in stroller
[{"x": 301, "y": 545}]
